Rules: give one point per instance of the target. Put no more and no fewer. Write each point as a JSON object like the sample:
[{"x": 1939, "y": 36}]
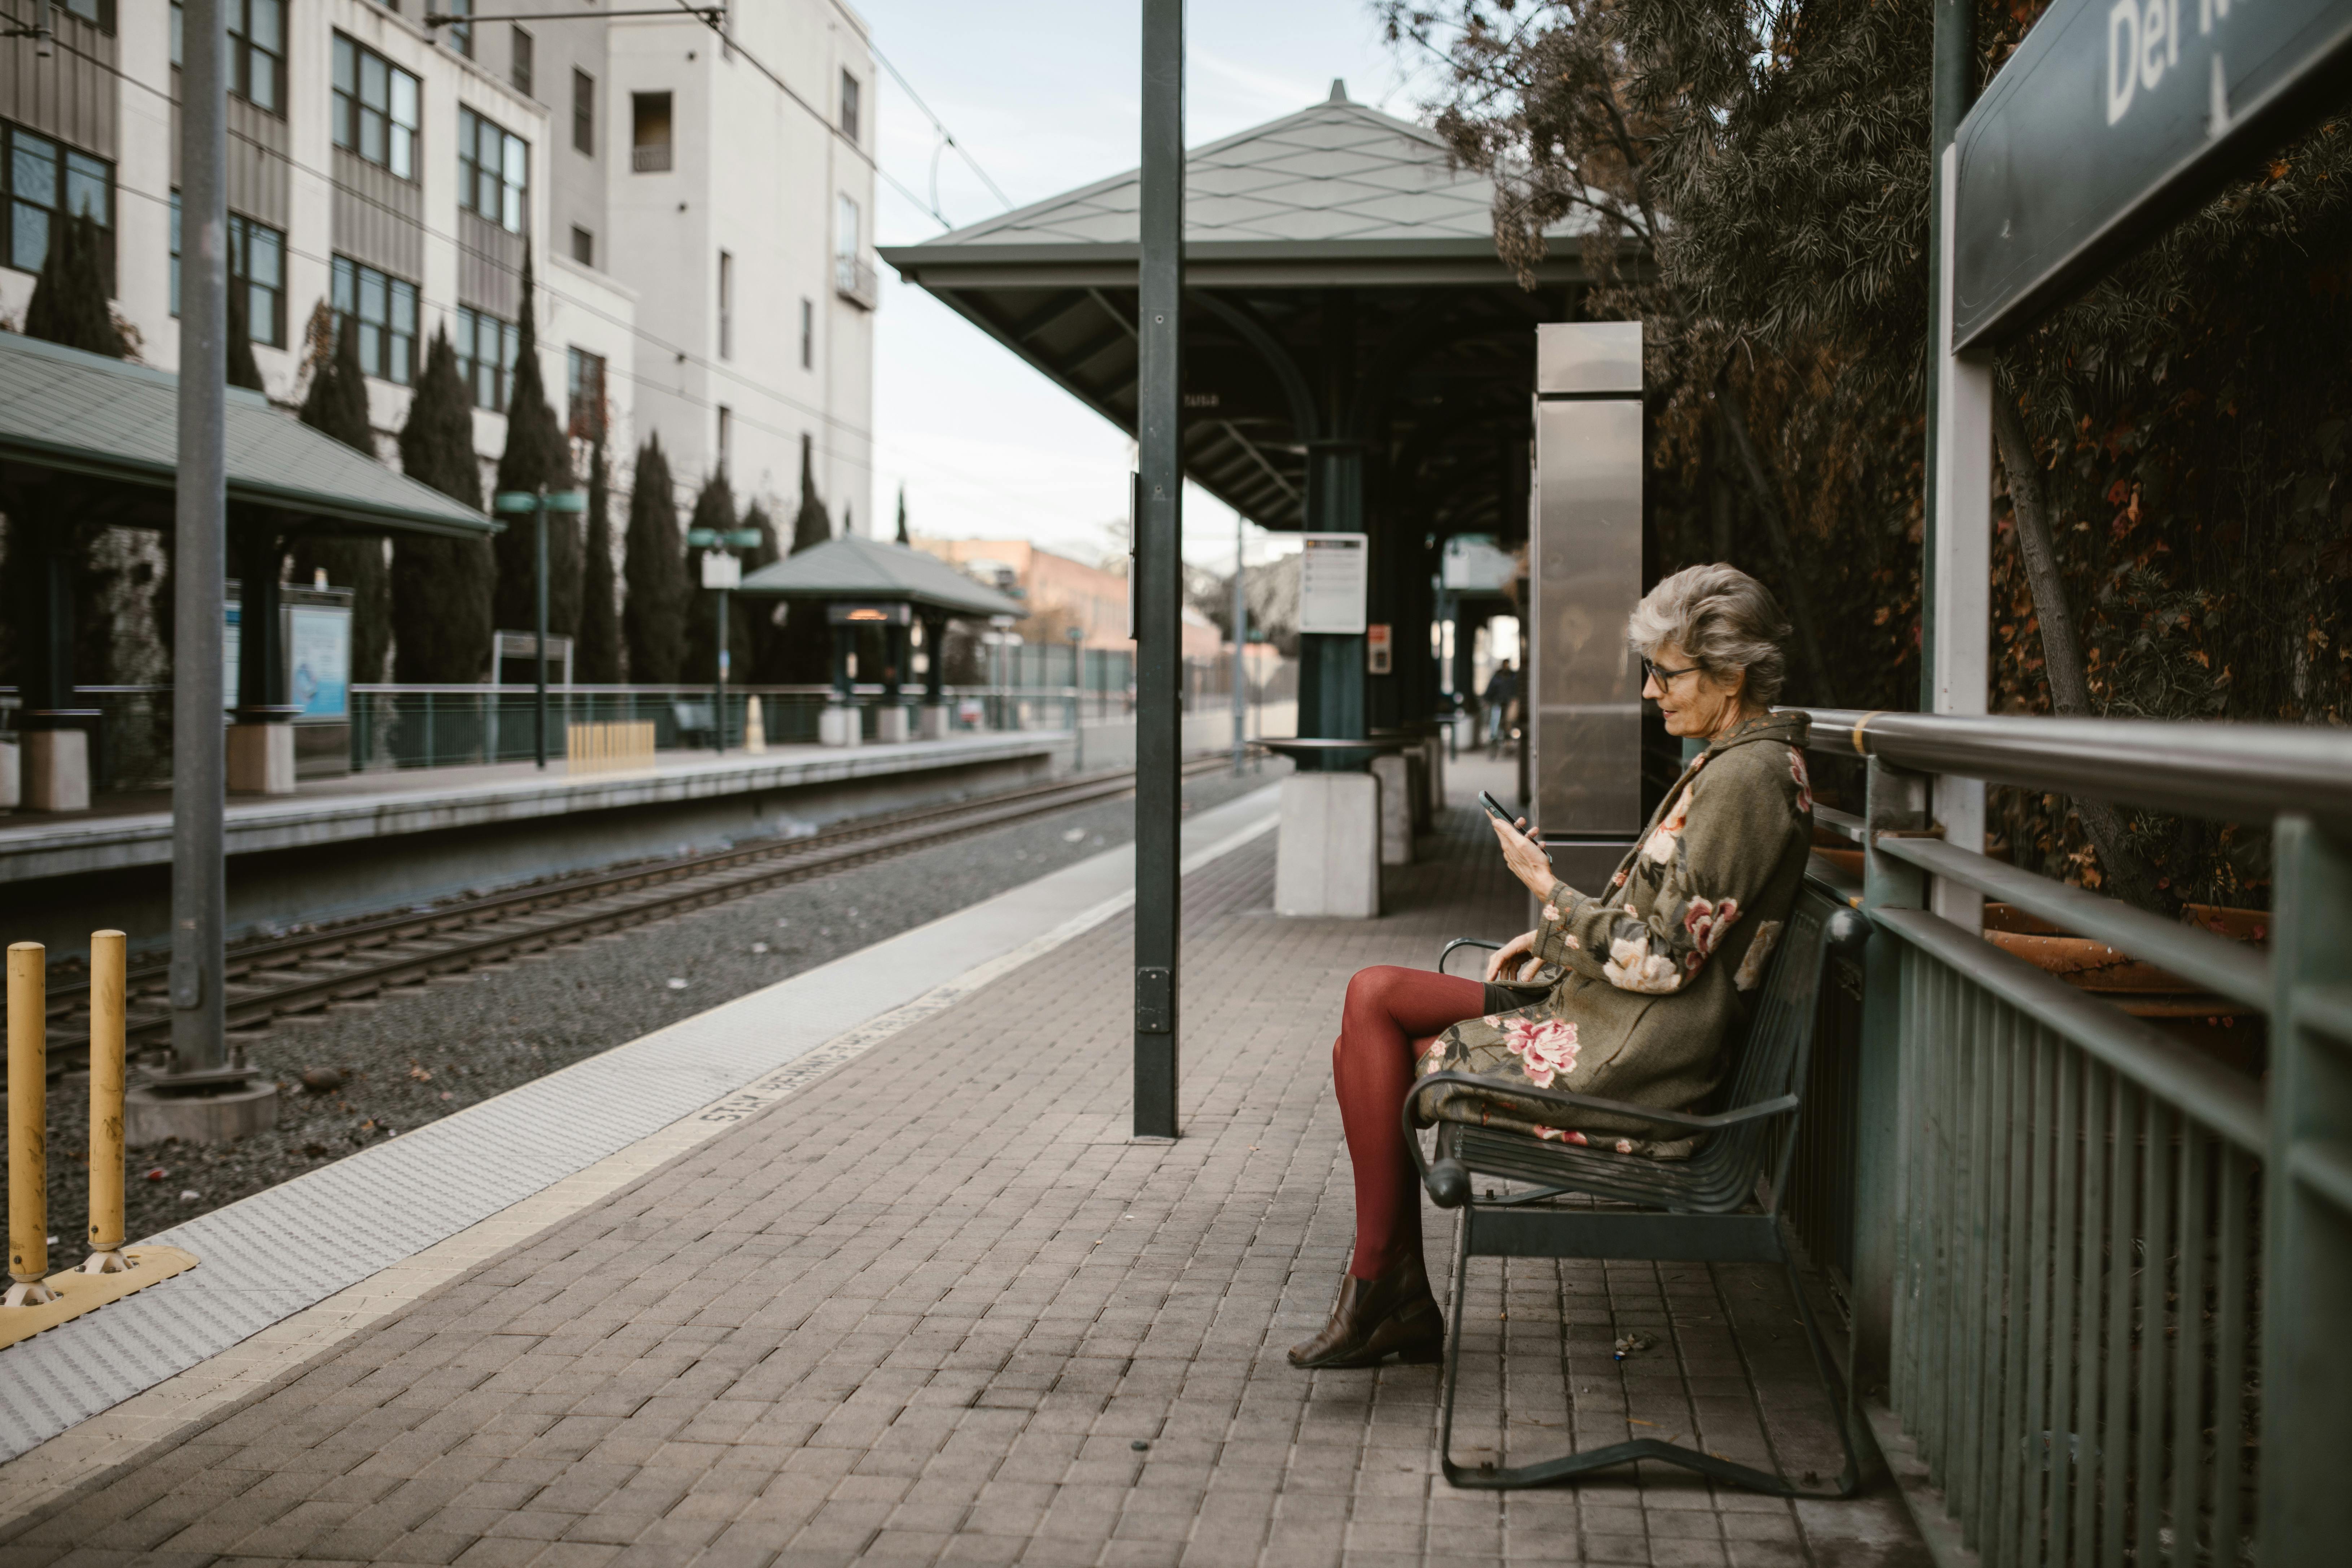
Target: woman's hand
[
  {"x": 1520, "y": 946},
  {"x": 1525, "y": 857}
]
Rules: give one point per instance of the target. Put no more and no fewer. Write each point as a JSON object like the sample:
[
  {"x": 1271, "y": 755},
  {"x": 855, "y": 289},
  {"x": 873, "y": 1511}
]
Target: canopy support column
[
  {"x": 1159, "y": 532},
  {"x": 261, "y": 742}
]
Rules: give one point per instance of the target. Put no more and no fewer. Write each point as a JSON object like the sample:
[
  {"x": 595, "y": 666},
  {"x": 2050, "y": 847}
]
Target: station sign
[
  {"x": 2111, "y": 118},
  {"x": 1332, "y": 578}
]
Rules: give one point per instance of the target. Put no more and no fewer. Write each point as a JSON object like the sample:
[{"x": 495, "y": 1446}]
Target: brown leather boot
[{"x": 1394, "y": 1314}]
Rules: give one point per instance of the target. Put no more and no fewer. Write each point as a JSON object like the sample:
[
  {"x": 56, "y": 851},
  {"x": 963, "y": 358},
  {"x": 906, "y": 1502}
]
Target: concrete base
[
  {"x": 12, "y": 776},
  {"x": 1328, "y": 859},
  {"x": 150, "y": 1115},
  {"x": 57, "y": 769},
  {"x": 755, "y": 729},
  {"x": 837, "y": 726},
  {"x": 261, "y": 759},
  {"x": 1396, "y": 809},
  {"x": 890, "y": 726},
  {"x": 1434, "y": 750},
  {"x": 932, "y": 721}
]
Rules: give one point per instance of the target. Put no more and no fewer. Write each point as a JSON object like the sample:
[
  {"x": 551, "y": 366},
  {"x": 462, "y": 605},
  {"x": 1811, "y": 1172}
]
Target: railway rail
[{"x": 359, "y": 960}]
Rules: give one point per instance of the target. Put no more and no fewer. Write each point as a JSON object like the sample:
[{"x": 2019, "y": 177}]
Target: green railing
[{"x": 2105, "y": 1280}]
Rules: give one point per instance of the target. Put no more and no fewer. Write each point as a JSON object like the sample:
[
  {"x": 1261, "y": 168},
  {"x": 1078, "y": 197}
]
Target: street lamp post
[
  {"x": 1077, "y": 698},
  {"x": 721, "y": 570},
  {"x": 539, "y": 503}
]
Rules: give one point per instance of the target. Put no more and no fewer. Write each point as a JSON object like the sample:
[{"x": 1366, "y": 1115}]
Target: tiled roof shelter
[{"x": 1357, "y": 357}]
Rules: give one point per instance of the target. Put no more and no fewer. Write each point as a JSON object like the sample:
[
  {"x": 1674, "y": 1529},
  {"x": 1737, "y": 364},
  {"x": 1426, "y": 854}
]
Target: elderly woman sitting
[{"x": 1626, "y": 992}]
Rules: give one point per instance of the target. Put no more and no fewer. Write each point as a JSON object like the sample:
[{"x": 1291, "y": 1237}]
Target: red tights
[{"x": 1390, "y": 1017}]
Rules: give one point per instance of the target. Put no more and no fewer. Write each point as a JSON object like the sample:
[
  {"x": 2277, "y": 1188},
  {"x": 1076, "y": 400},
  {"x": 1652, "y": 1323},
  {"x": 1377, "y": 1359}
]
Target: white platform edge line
[{"x": 121, "y": 1434}]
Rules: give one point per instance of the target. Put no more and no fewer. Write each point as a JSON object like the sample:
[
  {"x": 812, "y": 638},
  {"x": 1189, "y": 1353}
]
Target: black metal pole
[
  {"x": 1159, "y": 530},
  {"x": 200, "y": 524},
  {"x": 538, "y": 521}
]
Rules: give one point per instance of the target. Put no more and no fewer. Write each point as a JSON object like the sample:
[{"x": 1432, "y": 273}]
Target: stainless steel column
[
  {"x": 1582, "y": 686},
  {"x": 199, "y": 769},
  {"x": 1159, "y": 532}
]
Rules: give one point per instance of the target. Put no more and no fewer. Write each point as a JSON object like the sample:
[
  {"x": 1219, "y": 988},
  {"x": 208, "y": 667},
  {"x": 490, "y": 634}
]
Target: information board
[
  {"x": 319, "y": 661},
  {"x": 1332, "y": 574}
]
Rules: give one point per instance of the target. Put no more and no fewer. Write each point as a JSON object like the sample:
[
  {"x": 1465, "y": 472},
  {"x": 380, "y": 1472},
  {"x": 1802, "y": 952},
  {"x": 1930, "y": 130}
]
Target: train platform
[
  {"x": 905, "y": 1290},
  {"x": 367, "y": 842}
]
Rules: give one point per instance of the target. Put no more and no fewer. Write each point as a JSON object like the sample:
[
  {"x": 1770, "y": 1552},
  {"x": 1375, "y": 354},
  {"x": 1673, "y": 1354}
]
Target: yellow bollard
[
  {"x": 28, "y": 1163},
  {"x": 107, "y": 997}
]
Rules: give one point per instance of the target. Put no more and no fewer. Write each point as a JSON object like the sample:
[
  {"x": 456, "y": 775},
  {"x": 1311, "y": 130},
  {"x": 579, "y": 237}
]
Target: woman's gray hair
[{"x": 1723, "y": 619}]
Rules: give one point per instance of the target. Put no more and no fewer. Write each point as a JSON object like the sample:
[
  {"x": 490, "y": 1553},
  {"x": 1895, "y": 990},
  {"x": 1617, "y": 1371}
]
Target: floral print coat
[{"x": 1650, "y": 976}]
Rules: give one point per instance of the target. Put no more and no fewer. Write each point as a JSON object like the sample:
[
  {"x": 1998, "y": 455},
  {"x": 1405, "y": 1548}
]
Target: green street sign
[
  {"x": 2112, "y": 118},
  {"x": 527, "y": 500},
  {"x": 702, "y": 538},
  {"x": 743, "y": 538}
]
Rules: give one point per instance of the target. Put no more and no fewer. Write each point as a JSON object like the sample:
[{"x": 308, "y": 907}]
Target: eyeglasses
[{"x": 1665, "y": 678}]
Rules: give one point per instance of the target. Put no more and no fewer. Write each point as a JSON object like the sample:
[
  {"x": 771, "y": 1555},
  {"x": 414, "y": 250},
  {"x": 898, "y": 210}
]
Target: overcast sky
[{"x": 1044, "y": 94}]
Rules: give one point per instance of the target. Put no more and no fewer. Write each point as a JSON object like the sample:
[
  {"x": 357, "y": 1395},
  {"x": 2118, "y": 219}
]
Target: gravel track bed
[{"x": 419, "y": 1053}]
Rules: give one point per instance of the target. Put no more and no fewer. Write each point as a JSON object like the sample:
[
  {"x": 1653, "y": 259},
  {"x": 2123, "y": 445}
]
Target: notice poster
[
  {"x": 319, "y": 661},
  {"x": 1331, "y": 578}
]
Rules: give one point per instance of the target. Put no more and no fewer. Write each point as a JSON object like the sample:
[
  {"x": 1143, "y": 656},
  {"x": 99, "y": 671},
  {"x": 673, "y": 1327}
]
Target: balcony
[
  {"x": 854, "y": 280},
  {"x": 650, "y": 158}
]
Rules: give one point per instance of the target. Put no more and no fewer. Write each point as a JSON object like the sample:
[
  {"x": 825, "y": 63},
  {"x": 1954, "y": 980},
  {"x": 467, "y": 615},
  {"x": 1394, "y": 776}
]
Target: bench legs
[{"x": 1489, "y": 1478}]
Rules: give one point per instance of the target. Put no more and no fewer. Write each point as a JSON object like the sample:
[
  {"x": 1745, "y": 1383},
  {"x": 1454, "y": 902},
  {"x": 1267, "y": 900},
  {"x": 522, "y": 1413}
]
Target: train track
[{"x": 269, "y": 979}]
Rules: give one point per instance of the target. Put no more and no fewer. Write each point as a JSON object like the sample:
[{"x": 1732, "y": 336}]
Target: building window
[
  {"x": 650, "y": 135},
  {"x": 726, "y": 306},
  {"x": 493, "y": 171},
  {"x": 98, "y": 14},
  {"x": 808, "y": 334},
  {"x": 583, "y": 113},
  {"x": 43, "y": 179},
  {"x": 521, "y": 72},
  {"x": 384, "y": 311},
  {"x": 487, "y": 348},
  {"x": 256, "y": 261},
  {"x": 844, "y": 247},
  {"x": 583, "y": 246},
  {"x": 257, "y": 50},
  {"x": 726, "y": 437},
  {"x": 374, "y": 108},
  {"x": 585, "y": 419},
  {"x": 461, "y": 34},
  {"x": 849, "y": 106}
]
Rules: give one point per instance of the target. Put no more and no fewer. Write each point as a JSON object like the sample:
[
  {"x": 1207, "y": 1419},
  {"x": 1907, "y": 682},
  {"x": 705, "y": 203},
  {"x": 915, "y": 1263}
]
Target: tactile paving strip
[{"x": 281, "y": 1251}]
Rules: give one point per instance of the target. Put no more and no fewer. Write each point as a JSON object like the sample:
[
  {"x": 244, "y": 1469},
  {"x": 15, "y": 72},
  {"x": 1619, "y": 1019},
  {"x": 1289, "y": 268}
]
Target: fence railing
[{"x": 2107, "y": 1279}]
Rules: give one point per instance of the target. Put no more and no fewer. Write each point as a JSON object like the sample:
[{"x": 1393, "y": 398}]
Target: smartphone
[{"x": 1494, "y": 807}]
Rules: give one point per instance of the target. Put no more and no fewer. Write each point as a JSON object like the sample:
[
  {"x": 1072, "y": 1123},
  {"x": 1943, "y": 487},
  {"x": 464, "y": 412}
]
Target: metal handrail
[
  {"x": 2227, "y": 968},
  {"x": 2192, "y": 1084},
  {"x": 2214, "y": 769}
]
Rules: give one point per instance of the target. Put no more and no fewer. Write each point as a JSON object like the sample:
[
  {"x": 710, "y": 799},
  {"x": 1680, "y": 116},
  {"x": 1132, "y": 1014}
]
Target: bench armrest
[
  {"x": 1447, "y": 951},
  {"x": 1779, "y": 1106}
]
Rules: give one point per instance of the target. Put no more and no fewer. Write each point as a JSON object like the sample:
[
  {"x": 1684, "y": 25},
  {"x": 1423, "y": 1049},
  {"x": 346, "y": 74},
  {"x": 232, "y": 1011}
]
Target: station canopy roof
[
  {"x": 852, "y": 567},
  {"x": 1336, "y": 225},
  {"x": 67, "y": 411}
]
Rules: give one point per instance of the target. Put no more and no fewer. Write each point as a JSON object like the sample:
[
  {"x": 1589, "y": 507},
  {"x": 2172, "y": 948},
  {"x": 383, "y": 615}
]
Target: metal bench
[{"x": 1720, "y": 1205}]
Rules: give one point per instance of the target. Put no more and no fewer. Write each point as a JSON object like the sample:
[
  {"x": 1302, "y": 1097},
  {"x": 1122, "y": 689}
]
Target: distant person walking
[{"x": 1502, "y": 697}]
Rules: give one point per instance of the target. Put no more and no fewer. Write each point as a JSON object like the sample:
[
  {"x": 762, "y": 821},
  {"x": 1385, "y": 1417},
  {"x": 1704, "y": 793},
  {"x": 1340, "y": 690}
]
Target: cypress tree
[
  {"x": 243, "y": 371},
  {"x": 801, "y": 650},
  {"x": 597, "y": 658},
  {"x": 337, "y": 405},
  {"x": 69, "y": 303},
  {"x": 714, "y": 509},
  {"x": 537, "y": 453},
  {"x": 760, "y": 650},
  {"x": 902, "y": 515},
  {"x": 653, "y": 618},
  {"x": 441, "y": 587}
]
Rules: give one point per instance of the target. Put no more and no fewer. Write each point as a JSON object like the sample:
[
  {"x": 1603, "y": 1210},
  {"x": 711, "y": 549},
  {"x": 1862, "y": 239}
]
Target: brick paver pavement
[{"x": 938, "y": 1310}]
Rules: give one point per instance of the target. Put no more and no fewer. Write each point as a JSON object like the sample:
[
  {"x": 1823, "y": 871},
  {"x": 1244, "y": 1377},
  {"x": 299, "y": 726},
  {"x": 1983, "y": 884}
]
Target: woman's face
[{"x": 1693, "y": 702}]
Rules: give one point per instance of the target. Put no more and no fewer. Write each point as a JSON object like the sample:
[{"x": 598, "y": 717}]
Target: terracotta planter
[{"x": 2221, "y": 1028}]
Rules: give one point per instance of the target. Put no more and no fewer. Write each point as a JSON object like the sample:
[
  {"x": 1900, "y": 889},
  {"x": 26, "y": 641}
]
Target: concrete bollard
[
  {"x": 28, "y": 1116},
  {"x": 108, "y": 997}
]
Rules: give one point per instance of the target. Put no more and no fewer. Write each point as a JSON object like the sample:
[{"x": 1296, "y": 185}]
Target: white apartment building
[{"x": 701, "y": 239}]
